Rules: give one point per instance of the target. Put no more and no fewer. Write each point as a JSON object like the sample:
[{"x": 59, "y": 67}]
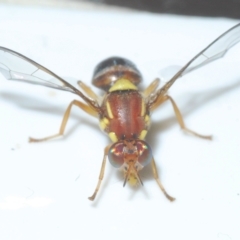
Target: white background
[{"x": 44, "y": 187}]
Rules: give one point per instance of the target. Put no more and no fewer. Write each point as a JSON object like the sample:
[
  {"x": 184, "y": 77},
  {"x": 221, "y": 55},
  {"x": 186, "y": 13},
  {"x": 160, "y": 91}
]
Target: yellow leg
[
  {"x": 81, "y": 105},
  {"x": 101, "y": 175},
  {"x": 151, "y": 88},
  {"x": 179, "y": 116},
  {"x": 155, "y": 174},
  {"x": 89, "y": 91}
]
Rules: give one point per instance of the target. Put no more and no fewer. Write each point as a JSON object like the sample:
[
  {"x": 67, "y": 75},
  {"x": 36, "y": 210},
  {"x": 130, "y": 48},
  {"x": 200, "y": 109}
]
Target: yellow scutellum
[{"x": 122, "y": 84}]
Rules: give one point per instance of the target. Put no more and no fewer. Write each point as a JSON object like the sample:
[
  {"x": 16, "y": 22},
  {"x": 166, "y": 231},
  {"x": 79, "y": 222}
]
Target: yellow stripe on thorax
[
  {"x": 109, "y": 110},
  {"x": 143, "y": 134},
  {"x": 103, "y": 123},
  {"x": 113, "y": 136},
  {"x": 143, "y": 108}
]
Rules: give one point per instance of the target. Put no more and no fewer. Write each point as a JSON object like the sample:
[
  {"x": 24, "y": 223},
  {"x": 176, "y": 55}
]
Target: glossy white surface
[{"x": 44, "y": 187}]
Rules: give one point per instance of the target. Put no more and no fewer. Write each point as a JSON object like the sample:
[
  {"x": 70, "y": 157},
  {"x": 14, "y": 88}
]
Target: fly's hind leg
[
  {"x": 179, "y": 117},
  {"x": 101, "y": 175},
  {"x": 81, "y": 105},
  {"x": 155, "y": 174}
]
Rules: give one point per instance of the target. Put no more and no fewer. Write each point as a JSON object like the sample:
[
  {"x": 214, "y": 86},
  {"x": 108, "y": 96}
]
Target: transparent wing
[
  {"x": 213, "y": 51},
  {"x": 15, "y": 66}
]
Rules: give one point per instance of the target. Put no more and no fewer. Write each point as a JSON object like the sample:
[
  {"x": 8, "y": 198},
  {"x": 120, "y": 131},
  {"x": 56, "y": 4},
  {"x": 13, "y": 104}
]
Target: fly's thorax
[
  {"x": 108, "y": 71},
  {"x": 125, "y": 112}
]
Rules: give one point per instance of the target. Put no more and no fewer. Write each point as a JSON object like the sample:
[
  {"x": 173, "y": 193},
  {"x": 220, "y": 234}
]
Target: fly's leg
[
  {"x": 179, "y": 117},
  {"x": 81, "y": 105},
  {"x": 101, "y": 175},
  {"x": 88, "y": 91},
  {"x": 181, "y": 122},
  {"x": 151, "y": 88},
  {"x": 155, "y": 174}
]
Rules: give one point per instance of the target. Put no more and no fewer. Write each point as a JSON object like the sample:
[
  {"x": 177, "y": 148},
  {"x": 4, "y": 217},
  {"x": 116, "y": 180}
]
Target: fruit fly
[{"x": 123, "y": 111}]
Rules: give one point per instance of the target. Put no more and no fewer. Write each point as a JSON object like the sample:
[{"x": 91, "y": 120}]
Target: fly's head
[{"x": 131, "y": 156}]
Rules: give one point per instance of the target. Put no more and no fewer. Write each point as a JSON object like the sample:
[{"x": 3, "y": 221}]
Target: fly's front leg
[
  {"x": 151, "y": 88},
  {"x": 81, "y": 105},
  {"x": 101, "y": 175},
  {"x": 155, "y": 174},
  {"x": 179, "y": 116},
  {"x": 89, "y": 91}
]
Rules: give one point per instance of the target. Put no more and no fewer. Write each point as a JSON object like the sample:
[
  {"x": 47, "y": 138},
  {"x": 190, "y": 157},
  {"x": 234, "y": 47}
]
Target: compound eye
[
  {"x": 145, "y": 153},
  {"x": 115, "y": 155}
]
